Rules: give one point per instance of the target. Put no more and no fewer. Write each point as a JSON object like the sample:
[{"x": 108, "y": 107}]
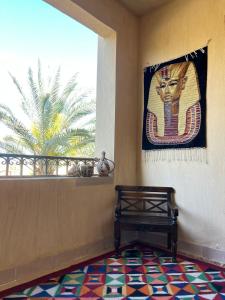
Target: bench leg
[
  {"x": 117, "y": 237},
  {"x": 169, "y": 236},
  {"x": 174, "y": 243},
  {"x": 174, "y": 249}
]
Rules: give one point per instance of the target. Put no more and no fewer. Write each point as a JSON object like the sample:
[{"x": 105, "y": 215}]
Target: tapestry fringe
[{"x": 170, "y": 155}]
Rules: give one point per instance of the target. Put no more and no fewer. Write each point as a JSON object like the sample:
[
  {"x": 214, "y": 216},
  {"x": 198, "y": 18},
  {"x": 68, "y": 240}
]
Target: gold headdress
[{"x": 172, "y": 71}]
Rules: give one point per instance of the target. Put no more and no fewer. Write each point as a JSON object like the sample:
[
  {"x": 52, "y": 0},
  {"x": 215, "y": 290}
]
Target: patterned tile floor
[{"x": 139, "y": 274}]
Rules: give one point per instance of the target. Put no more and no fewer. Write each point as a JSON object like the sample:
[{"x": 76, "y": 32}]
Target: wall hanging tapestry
[{"x": 175, "y": 108}]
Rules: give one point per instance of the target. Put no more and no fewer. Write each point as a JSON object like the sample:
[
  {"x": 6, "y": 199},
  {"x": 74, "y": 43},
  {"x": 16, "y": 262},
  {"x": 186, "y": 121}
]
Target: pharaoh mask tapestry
[{"x": 175, "y": 103}]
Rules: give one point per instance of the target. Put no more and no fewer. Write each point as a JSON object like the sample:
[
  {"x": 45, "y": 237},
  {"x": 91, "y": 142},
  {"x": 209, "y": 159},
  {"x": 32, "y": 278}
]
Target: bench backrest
[{"x": 145, "y": 200}]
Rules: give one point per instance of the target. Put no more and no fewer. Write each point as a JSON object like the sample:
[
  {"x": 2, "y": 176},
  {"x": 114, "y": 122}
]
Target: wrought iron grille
[{"x": 16, "y": 165}]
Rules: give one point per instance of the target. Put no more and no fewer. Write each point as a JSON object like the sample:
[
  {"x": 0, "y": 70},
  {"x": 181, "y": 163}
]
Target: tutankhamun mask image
[{"x": 174, "y": 112}]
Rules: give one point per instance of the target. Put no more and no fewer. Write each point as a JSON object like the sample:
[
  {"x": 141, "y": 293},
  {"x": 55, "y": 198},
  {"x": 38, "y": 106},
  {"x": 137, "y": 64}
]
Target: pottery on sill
[{"x": 104, "y": 165}]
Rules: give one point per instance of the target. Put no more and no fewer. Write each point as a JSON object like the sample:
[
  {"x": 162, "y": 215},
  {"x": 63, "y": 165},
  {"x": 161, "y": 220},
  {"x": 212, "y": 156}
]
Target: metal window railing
[{"x": 17, "y": 165}]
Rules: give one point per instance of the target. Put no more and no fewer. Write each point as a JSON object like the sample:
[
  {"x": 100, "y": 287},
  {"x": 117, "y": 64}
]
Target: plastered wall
[
  {"x": 50, "y": 224},
  {"x": 46, "y": 225},
  {"x": 166, "y": 33}
]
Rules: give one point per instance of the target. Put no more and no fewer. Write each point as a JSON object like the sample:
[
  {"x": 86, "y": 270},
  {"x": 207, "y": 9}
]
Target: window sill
[
  {"x": 78, "y": 181},
  {"x": 93, "y": 180}
]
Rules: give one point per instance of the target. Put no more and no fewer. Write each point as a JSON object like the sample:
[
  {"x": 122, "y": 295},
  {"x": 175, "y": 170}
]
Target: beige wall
[
  {"x": 169, "y": 32},
  {"x": 50, "y": 224}
]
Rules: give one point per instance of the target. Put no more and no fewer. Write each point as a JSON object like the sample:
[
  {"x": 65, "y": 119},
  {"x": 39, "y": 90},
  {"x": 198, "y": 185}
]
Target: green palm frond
[
  {"x": 86, "y": 150},
  {"x": 34, "y": 91},
  {"x": 69, "y": 88},
  {"x": 11, "y": 145},
  {"x": 10, "y": 148},
  {"x": 18, "y": 128},
  {"x": 55, "y": 115},
  {"x": 73, "y": 138},
  {"x": 40, "y": 80},
  {"x": 25, "y": 101},
  {"x": 54, "y": 93},
  {"x": 77, "y": 111},
  {"x": 15, "y": 81}
]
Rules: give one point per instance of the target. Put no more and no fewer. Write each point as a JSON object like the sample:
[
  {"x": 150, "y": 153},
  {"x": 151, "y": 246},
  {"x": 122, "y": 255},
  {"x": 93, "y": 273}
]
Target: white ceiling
[{"x": 140, "y": 7}]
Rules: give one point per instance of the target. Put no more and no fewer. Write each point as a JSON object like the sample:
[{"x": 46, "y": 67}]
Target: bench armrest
[{"x": 174, "y": 210}]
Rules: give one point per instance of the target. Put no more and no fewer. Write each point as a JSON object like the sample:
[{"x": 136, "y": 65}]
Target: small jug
[
  {"x": 86, "y": 170},
  {"x": 74, "y": 171},
  {"x": 104, "y": 166}
]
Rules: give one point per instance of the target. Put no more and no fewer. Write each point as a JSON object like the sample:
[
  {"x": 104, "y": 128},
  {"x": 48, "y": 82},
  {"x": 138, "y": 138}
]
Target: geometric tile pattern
[{"x": 140, "y": 273}]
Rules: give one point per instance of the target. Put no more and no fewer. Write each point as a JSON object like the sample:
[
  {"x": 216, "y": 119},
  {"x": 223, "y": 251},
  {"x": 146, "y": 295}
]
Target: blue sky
[
  {"x": 33, "y": 26},
  {"x": 32, "y": 30}
]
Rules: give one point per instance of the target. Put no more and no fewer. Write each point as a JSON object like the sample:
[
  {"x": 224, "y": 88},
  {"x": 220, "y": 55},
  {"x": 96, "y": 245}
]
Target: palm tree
[{"x": 54, "y": 115}]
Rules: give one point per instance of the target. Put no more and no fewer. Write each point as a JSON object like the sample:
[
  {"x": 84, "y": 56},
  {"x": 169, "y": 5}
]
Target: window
[{"x": 48, "y": 91}]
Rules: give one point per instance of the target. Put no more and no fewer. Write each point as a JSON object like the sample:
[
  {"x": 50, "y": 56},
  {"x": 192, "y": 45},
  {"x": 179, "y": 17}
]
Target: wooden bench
[{"x": 146, "y": 208}]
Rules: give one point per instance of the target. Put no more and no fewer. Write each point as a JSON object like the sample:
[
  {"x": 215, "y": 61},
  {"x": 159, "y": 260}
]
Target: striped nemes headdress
[{"x": 172, "y": 71}]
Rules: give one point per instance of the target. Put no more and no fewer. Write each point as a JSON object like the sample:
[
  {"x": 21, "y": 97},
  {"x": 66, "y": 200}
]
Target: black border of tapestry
[{"x": 199, "y": 59}]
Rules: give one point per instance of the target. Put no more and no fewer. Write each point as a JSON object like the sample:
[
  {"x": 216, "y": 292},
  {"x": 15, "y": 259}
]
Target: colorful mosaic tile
[
  {"x": 115, "y": 261},
  {"x": 115, "y": 269},
  {"x": 150, "y": 261},
  {"x": 166, "y": 260},
  {"x": 139, "y": 274},
  {"x": 177, "y": 278},
  {"x": 93, "y": 279},
  {"x": 138, "y": 291},
  {"x": 156, "y": 278},
  {"x": 205, "y": 288},
  {"x": 114, "y": 292},
  {"x": 196, "y": 277},
  {"x": 190, "y": 268},
  {"x": 172, "y": 268},
  {"x": 96, "y": 269},
  {"x": 136, "y": 279},
  {"x": 153, "y": 269},
  {"x": 183, "y": 289},
  {"x": 161, "y": 290},
  {"x": 115, "y": 279},
  {"x": 64, "y": 292},
  {"x": 134, "y": 269},
  {"x": 91, "y": 292},
  {"x": 219, "y": 286},
  {"x": 73, "y": 279},
  {"x": 133, "y": 261},
  {"x": 215, "y": 276}
]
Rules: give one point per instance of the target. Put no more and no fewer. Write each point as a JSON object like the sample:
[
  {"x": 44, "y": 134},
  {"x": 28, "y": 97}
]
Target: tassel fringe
[{"x": 170, "y": 155}]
